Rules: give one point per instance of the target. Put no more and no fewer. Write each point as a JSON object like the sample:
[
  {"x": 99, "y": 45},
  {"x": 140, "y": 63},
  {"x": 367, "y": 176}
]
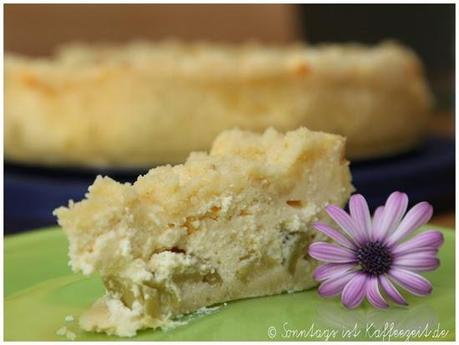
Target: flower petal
[
  {"x": 343, "y": 220},
  {"x": 327, "y": 271},
  {"x": 374, "y": 295},
  {"x": 335, "y": 285},
  {"x": 422, "y": 253},
  {"x": 417, "y": 264},
  {"x": 330, "y": 253},
  {"x": 334, "y": 234},
  {"x": 391, "y": 290},
  {"x": 377, "y": 214},
  {"x": 376, "y": 219},
  {"x": 419, "y": 215},
  {"x": 354, "y": 291},
  {"x": 360, "y": 213},
  {"x": 427, "y": 239},
  {"x": 410, "y": 281},
  {"x": 394, "y": 209}
]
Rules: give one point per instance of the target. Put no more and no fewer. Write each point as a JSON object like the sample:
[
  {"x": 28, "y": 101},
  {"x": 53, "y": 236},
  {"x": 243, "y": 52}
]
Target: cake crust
[{"x": 143, "y": 104}]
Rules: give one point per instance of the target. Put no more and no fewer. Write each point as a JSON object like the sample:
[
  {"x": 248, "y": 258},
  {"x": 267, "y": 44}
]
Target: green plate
[{"x": 40, "y": 291}]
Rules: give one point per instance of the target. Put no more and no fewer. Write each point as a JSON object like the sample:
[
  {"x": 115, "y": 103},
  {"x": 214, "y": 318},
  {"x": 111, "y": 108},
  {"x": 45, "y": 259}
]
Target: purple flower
[{"x": 370, "y": 256}]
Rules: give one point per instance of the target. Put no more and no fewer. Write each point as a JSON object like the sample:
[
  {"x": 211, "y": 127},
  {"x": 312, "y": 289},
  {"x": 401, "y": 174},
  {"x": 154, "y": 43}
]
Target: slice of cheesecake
[{"x": 231, "y": 224}]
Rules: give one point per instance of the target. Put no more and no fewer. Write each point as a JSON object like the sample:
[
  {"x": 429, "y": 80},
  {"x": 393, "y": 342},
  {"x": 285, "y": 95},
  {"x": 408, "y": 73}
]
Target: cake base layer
[{"x": 112, "y": 316}]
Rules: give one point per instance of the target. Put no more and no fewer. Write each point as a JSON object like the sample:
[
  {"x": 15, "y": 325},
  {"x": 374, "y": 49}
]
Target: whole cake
[
  {"x": 143, "y": 104},
  {"x": 231, "y": 224}
]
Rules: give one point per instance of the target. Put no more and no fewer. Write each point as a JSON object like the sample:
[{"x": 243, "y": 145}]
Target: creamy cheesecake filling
[{"x": 160, "y": 287}]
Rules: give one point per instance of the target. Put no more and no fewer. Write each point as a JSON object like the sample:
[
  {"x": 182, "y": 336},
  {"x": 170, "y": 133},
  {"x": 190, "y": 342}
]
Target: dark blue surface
[{"x": 428, "y": 173}]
